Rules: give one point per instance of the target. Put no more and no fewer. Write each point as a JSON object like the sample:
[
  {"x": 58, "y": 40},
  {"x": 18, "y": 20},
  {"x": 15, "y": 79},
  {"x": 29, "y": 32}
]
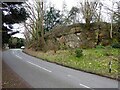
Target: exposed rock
[
  {"x": 52, "y": 44},
  {"x": 72, "y": 30},
  {"x": 72, "y": 44},
  {"x": 75, "y": 36},
  {"x": 61, "y": 40},
  {"x": 72, "y": 40},
  {"x": 78, "y": 34}
]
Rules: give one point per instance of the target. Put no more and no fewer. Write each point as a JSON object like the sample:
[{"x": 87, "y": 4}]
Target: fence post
[{"x": 110, "y": 66}]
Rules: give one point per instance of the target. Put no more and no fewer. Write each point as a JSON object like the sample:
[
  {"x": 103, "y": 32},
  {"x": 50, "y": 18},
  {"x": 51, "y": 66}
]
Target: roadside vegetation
[
  {"x": 80, "y": 38},
  {"x": 15, "y": 42},
  {"x": 94, "y": 60}
]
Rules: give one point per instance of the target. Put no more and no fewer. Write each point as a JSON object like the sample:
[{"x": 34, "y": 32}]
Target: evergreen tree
[
  {"x": 51, "y": 18},
  {"x": 12, "y": 13}
]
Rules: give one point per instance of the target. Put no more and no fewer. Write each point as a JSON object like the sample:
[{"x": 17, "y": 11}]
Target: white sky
[
  {"x": 70, "y": 3},
  {"x": 58, "y": 3},
  {"x": 20, "y": 28}
]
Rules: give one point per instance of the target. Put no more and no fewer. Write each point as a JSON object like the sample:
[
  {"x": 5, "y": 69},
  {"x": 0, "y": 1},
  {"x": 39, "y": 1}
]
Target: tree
[
  {"x": 72, "y": 14},
  {"x": 88, "y": 10},
  {"x": 115, "y": 19},
  {"x": 64, "y": 9},
  {"x": 116, "y": 15},
  {"x": 15, "y": 42},
  {"x": 98, "y": 21},
  {"x": 12, "y": 12},
  {"x": 115, "y": 12},
  {"x": 64, "y": 12},
  {"x": 51, "y": 18},
  {"x": 34, "y": 25},
  {"x": 70, "y": 17}
]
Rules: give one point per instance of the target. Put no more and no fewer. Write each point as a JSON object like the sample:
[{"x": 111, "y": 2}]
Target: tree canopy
[
  {"x": 51, "y": 18},
  {"x": 12, "y": 13}
]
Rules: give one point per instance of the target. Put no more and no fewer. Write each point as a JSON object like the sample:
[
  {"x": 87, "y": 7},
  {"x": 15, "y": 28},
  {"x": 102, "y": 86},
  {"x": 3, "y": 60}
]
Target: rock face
[
  {"x": 77, "y": 40},
  {"x": 76, "y": 36},
  {"x": 71, "y": 40}
]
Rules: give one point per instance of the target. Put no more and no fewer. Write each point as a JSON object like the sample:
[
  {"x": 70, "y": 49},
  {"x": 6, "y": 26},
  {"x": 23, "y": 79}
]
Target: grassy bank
[{"x": 93, "y": 60}]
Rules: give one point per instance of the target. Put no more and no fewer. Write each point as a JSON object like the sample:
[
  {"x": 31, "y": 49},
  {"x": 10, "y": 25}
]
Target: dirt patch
[{"x": 10, "y": 79}]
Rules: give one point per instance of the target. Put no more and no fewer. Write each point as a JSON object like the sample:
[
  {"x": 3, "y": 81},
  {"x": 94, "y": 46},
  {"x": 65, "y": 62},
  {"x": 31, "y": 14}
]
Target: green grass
[{"x": 93, "y": 60}]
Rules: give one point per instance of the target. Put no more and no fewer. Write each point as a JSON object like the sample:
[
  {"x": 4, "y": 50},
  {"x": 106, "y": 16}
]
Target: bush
[
  {"x": 100, "y": 46},
  {"x": 79, "y": 52},
  {"x": 109, "y": 47},
  {"x": 107, "y": 51},
  {"x": 63, "y": 47},
  {"x": 116, "y": 45}
]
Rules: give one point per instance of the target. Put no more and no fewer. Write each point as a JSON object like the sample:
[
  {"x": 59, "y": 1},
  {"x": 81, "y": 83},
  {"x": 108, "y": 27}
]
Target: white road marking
[
  {"x": 18, "y": 56},
  {"x": 40, "y": 67},
  {"x": 80, "y": 83},
  {"x": 85, "y": 86},
  {"x": 13, "y": 52},
  {"x": 69, "y": 75}
]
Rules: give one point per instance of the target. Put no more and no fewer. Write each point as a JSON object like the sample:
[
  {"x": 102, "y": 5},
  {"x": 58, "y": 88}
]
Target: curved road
[{"x": 42, "y": 74}]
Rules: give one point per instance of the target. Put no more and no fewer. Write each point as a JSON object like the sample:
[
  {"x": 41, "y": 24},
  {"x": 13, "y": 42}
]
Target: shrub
[
  {"x": 79, "y": 52},
  {"x": 108, "y": 51},
  {"x": 63, "y": 47},
  {"x": 100, "y": 46},
  {"x": 109, "y": 47},
  {"x": 116, "y": 45}
]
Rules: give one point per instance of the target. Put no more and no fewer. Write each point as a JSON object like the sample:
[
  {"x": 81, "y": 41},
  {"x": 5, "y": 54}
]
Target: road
[{"x": 42, "y": 74}]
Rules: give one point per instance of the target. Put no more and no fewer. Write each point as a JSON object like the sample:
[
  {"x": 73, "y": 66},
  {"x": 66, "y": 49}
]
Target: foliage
[
  {"x": 116, "y": 19},
  {"x": 34, "y": 26},
  {"x": 94, "y": 60},
  {"x": 15, "y": 13},
  {"x": 63, "y": 47},
  {"x": 116, "y": 15},
  {"x": 88, "y": 10},
  {"x": 107, "y": 51},
  {"x": 116, "y": 45},
  {"x": 51, "y": 17},
  {"x": 15, "y": 42},
  {"x": 79, "y": 52},
  {"x": 72, "y": 14},
  {"x": 100, "y": 46},
  {"x": 70, "y": 18}
]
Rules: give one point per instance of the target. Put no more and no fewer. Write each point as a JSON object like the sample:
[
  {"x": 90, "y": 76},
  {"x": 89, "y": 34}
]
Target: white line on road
[
  {"x": 40, "y": 67},
  {"x": 80, "y": 83},
  {"x": 19, "y": 57},
  {"x": 69, "y": 75},
  {"x": 13, "y": 52},
  {"x": 85, "y": 86}
]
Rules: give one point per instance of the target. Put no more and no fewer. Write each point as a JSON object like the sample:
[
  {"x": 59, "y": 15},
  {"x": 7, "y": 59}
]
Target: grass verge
[{"x": 93, "y": 60}]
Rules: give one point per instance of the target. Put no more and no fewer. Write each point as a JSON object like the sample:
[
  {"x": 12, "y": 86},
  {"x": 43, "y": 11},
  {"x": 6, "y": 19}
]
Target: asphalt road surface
[{"x": 42, "y": 74}]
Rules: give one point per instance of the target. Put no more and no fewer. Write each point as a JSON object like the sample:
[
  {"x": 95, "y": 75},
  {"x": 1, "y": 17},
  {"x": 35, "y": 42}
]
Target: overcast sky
[{"x": 58, "y": 4}]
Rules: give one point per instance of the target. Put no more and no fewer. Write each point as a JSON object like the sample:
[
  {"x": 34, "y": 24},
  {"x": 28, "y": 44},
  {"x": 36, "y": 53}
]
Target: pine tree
[{"x": 12, "y": 12}]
